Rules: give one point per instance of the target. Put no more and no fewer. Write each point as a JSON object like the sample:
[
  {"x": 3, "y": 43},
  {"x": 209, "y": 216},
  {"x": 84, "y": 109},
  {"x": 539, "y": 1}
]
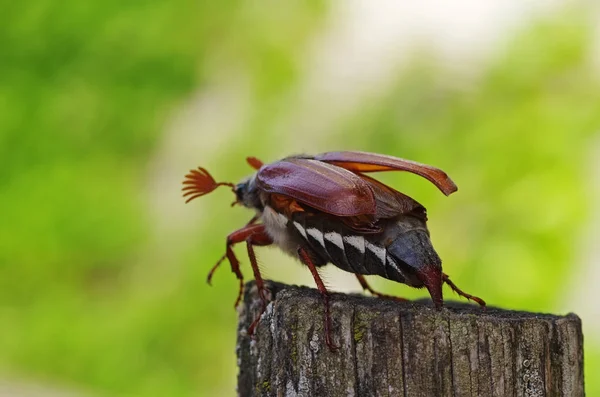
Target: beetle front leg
[
  {"x": 230, "y": 242},
  {"x": 236, "y": 237},
  {"x": 305, "y": 258},
  {"x": 235, "y": 268}
]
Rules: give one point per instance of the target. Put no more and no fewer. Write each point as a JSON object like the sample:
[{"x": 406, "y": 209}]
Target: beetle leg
[
  {"x": 240, "y": 236},
  {"x": 363, "y": 283},
  {"x": 226, "y": 255},
  {"x": 235, "y": 268},
  {"x": 446, "y": 279},
  {"x": 253, "y": 220},
  {"x": 305, "y": 258},
  {"x": 258, "y": 239},
  {"x": 215, "y": 267}
]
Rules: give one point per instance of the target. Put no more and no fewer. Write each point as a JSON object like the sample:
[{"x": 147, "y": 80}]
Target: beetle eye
[{"x": 239, "y": 191}]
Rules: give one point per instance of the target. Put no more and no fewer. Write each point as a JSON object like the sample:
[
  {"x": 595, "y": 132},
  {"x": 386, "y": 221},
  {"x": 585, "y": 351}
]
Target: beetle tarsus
[
  {"x": 240, "y": 293},
  {"x": 213, "y": 269},
  {"x": 470, "y": 297},
  {"x": 238, "y": 274},
  {"x": 264, "y": 302},
  {"x": 365, "y": 286}
]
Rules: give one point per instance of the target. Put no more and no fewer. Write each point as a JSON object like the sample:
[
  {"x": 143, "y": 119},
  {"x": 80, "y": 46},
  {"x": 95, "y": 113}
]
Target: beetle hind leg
[
  {"x": 365, "y": 286},
  {"x": 446, "y": 279}
]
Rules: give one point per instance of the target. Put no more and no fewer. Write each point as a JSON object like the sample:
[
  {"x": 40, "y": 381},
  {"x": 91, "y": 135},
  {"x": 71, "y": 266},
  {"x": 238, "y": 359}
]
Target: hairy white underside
[{"x": 276, "y": 226}]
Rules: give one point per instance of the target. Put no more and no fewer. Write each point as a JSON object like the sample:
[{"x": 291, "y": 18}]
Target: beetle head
[{"x": 247, "y": 193}]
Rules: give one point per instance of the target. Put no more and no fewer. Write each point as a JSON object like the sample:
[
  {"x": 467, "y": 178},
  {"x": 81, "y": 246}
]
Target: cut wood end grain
[{"x": 391, "y": 348}]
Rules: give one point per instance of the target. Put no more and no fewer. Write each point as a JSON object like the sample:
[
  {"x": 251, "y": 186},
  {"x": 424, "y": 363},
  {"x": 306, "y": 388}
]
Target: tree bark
[{"x": 390, "y": 348}]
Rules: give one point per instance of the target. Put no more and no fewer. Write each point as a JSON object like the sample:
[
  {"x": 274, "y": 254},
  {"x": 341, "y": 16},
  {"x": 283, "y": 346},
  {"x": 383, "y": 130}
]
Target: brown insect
[{"x": 324, "y": 209}]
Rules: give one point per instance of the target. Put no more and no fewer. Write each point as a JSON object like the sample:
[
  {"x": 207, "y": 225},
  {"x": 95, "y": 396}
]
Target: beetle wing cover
[
  {"x": 323, "y": 186},
  {"x": 390, "y": 202},
  {"x": 372, "y": 162}
]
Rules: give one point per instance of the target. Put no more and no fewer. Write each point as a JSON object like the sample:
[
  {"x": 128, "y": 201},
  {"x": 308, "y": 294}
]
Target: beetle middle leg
[
  {"x": 363, "y": 283},
  {"x": 305, "y": 258},
  {"x": 259, "y": 238}
]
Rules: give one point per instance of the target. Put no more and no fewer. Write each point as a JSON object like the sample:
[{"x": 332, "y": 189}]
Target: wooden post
[{"x": 390, "y": 348}]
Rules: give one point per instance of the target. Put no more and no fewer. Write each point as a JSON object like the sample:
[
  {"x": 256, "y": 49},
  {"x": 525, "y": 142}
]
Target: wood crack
[
  {"x": 451, "y": 360},
  {"x": 354, "y": 358},
  {"x": 402, "y": 349}
]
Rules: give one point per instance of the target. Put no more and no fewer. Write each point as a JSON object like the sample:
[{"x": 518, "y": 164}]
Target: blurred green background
[{"x": 104, "y": 106}]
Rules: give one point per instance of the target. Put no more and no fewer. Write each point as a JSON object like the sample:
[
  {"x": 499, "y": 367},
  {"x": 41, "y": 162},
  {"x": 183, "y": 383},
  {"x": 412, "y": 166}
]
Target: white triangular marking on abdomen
[
  {"x": 317, "y": 235},
  {"x": 357, "y": 242},
  {"x": 300, "y": 229},
  {"x": 378, "y": 251},
  {"x": 392, "y": 263},
  {"x": 335, "y": 238}
]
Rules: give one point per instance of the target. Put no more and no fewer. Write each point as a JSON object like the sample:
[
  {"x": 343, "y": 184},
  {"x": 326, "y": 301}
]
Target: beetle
[{"x": 324, "y": 209}]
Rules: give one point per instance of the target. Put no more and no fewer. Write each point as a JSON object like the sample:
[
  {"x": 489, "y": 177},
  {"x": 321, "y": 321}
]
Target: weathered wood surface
[{"x": 404, "y": 349}]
